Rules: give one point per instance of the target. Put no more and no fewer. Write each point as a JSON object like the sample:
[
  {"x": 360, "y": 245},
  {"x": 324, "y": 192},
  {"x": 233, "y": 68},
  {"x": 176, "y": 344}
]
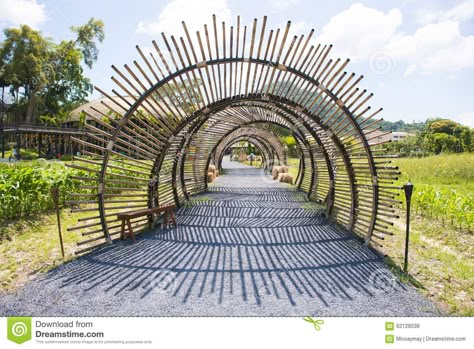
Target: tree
[
  {"x": 290, "y": 142},
  {"x": 444, "y": 143},
  {"x": 24, "y": 57},
  {"x": 86, "y": 39},
  {"x": 443, "y": 126},
  {"x": 45, "y": 76}
]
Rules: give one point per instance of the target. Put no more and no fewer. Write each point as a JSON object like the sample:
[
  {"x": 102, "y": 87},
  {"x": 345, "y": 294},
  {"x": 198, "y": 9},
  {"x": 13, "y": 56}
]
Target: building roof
[{"x": 98, "y": 105}]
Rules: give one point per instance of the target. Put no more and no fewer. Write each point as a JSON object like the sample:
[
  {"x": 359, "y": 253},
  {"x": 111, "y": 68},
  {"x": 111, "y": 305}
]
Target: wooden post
[
  {"x": 55, "y": 196},
  {"x": 2, "y": 134},
  {"x": 18, "y": 146},
  {"x": 40, "y": 143}
]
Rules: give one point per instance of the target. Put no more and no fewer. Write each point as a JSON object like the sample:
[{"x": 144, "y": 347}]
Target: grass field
[
  {"x": 30, "y": 245},
  {"x": 26, "y": 154},
  {"x": 441, "y": 252},
  {"x": 452, "y": 171},
  {"x": 293, "y": 167}
]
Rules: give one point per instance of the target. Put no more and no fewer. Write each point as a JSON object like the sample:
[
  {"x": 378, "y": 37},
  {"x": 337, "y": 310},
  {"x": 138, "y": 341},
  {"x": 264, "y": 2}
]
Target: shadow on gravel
[
  {"x": 244, "y": 248},
  {"x": 237, "y": 262}
]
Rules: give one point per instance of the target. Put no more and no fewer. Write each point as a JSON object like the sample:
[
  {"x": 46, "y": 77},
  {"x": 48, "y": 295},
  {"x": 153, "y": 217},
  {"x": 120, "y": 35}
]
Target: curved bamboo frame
[
  {"x": 273, "y": 150},
  {"x": 190, "y": 93}
]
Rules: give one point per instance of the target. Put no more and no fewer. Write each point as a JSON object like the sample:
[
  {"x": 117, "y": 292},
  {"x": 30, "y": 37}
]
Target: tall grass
[
  {"x": 455, "y": 171},
  {"x": 25, "y": 187},
  {"x": 444, "y": 187}
]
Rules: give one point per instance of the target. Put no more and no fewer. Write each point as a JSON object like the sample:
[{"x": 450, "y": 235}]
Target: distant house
[
  {"x": 381, "y": 136},
  {"x": 396, "y": 136}
]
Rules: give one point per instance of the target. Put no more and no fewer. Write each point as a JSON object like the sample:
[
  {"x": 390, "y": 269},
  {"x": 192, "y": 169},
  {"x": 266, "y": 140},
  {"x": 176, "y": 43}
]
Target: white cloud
[
  {"x": 438, "y": 47},
  {"x": 194, "y": 13},
  {"x": 297, "y": 28},
  {"x": 281, "y": 5},
  {"x": 359, "y": 31},
  {"x": 363, "y": 33},
  {"x": 460, "y": 12},
  {"x": 22, "y": 12}
]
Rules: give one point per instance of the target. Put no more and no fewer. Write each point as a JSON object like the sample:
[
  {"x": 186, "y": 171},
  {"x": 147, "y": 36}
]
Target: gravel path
[{"x": 248, "y": 247}]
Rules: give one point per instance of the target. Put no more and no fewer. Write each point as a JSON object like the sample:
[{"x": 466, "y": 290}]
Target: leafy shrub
[
  {"x": 25, "y": 187},
  {"x": 445, "y": 205}
]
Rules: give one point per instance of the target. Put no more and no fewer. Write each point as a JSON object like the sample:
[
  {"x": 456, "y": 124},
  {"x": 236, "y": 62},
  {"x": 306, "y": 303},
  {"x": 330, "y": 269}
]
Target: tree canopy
[
  {"x": 437, "y": 136},
  {"x": 46, "y": 78}
]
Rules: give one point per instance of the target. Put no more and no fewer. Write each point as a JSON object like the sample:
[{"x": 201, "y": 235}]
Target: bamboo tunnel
[{"x": 179, "y": 107}]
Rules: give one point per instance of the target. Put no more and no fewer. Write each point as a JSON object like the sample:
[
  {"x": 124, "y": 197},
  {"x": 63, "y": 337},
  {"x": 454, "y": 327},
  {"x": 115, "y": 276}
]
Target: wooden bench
[{"x": 125, "y": 217}]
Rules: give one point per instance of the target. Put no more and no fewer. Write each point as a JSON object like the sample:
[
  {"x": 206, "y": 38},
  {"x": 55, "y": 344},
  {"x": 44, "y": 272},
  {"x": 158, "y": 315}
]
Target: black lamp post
[{"x": 408, "y": 188}]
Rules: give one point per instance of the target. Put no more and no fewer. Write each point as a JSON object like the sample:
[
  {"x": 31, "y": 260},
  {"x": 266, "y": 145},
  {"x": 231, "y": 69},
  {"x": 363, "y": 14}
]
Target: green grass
[
  {"x": 293, "y": 167},
  {"x": 197, "y": 199},
  {"x": 292, "y": 163},
  {"x": 441, "y": 263},
  {"x": 254, "y": 163},
  {"x": 453, "y": 171},
  {"x": 29, "y": 246},
  {"x": 444, "y": 187},
  {"x": 26, "y": 154}
]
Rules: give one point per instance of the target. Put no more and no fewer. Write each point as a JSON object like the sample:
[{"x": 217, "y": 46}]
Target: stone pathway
[{"x": 250, "y": 246}]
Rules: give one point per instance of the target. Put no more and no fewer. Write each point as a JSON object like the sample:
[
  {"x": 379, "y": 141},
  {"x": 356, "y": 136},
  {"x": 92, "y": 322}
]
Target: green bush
[
  {"x": 447, "y": 205},
  {"x": 25, "y": 187}
]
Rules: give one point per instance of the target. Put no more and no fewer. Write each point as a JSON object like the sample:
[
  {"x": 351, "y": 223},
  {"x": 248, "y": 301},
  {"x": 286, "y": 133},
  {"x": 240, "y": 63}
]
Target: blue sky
[{"x": 417, "y": 56}]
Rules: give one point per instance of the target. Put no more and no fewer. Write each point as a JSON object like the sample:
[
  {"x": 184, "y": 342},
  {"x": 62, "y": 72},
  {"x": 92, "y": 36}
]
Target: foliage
[
  {"x": 25, "y": 188},
  {"x": 447, "y": 205},
  {"x": 26, "y": 154},
  {"x": 444, "y": 187},
  {"x": 290, "y": 142},
  {"x": 441, "y": 237},
  {"x": 401, "y": 126},
  {"x": 47, "y": 78},
  {"x": 87, "y": 35},
  {"x": 443, "y": 126},
  {"x": 438, "y": 136}
]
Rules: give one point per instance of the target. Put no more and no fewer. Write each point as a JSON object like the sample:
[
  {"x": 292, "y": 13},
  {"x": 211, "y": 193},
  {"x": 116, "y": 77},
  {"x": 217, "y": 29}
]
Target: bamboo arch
[
  {"x": 273, "y": 150},
  {"x": 174, "y": 106}
]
